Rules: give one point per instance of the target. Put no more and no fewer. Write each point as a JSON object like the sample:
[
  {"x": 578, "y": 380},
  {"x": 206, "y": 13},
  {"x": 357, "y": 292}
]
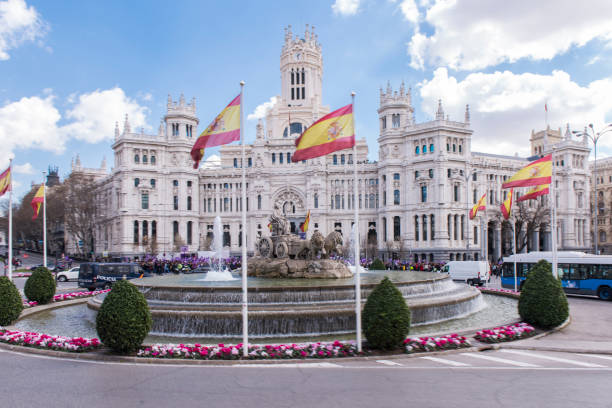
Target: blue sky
[{"x": 70, "y": 69}]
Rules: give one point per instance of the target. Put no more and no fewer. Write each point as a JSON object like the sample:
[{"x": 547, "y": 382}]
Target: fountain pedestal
[{"x": 297, "y": 268}]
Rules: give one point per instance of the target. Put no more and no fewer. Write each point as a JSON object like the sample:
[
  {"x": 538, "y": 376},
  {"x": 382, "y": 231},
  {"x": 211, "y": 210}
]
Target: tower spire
[
  {"x": 126, "y": 125},
  {"x": 440, "y": 112},
  {"x": 467, "y": 114}
]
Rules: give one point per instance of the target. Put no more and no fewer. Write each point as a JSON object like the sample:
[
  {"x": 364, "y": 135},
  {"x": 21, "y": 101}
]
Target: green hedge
[
  {"x": 543, "y": 302},
  {"x": 377, "y": 264},
  {"x": 11, "y": 304},
  {"x": 40, "y": 286},
  {"x": 386, "y": 317},
  {"x": 124, "y": 319}
]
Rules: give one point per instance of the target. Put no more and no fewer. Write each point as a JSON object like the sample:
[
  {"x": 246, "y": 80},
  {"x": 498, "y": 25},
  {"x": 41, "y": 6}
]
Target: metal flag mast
[
  {"x": 356, "y": 239},
  {"x": 10, "y": 221},
  {"x": 44, "y": 186},
  {"x": 245, "y": 312}
]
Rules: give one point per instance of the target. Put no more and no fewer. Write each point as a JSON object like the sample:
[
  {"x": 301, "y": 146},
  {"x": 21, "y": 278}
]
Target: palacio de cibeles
[{"x": 413, "y": 201}]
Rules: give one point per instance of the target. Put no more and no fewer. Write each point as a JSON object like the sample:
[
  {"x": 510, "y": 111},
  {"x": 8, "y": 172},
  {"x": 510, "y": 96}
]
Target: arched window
[
  {"x": 175, "y": 183},
  {"x": 294, "y": 128},
  {"x": 342, "y": 159},
  {"x": 431, "y": 226},
  {"x": 235, "y": 162},
  {"x": 424, "y": 149},
  {"x": 397, "y": 228},
  {"x": 416, "y": 150},
  {"x": 135, "y": 232},
  {"x": 431, "y": 148},
  {"x": 416, "y": 227},
  {"x": 189, "y": 232},
  {"x": 335, "y": 159},
  {"x": 273, "y": 158},
  {"x": 145, "y": 232},
  {"x": 188, "y": 203},
  {"x": 372, "y": 201},
  {"x": 602, "y": 236},
  {"x": 136, "y": 182},
  {"x": 454, "y": 148},
  {"x": 154, "y": 230},
  {"x": 145, "y": 160},
  {"x": 153, "y": 160},
  {"x": 456, "y": 227},
  {"x": 136, "y": 158},
  {"x": 152, "y": 183},
  {"x": 145, "y": 201},
  {"x": 259, "y": 202},
  {"x": 396, "y": 197},
  {"x": 449, "y": 223},
  {"x": 337, "y": 198},
  {"x": 316, "y": 201},
  {"x": 175, "y": 231},
  {"x": 288, "y": 158}
]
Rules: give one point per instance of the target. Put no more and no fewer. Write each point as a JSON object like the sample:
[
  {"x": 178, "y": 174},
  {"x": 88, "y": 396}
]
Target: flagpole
[
  {"x": 44, "y": 221},
  {"x": 514, "y": 252},
  {"x": 10, "y": 221},
  {"x": 356, "y": 242},
  {"x": 553, "y": 227},
  {"x": 245, "y": 318}
]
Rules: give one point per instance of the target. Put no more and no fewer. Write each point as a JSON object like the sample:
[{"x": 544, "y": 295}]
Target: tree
[
  {"x": 529, "y": 216},
  {"x": 178, "y": 243},
  {"x": 80, "y": 209}
]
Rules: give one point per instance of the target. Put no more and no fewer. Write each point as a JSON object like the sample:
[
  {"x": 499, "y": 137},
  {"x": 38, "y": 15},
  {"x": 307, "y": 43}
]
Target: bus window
[
  {"x": 523, "y": 269},
  {"x": 563, "y": 270},
  {"x": 577, "y": 272},
  {"x": 601, "y": 272}
]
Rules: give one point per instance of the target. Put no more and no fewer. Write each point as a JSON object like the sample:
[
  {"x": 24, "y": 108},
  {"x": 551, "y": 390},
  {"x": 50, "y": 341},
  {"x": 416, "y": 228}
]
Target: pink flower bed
[
  {"x": 424, "y": 344},
  {"x": 44, "y": 341},
  {"x": 22, "y": 275},
  {"x": 256, "y": 352},
  {"x": 68, "y": 296},
  {"x": 500, "y": 290},
  {"x": 500, "y": 334}
]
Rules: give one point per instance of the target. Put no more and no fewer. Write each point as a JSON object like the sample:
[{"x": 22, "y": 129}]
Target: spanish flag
[
  {"x": 480, "y": 206},
  {"x": 506, "y": 207},
  {"x": 5, "y": 181},
  {"x": 37, "y": 201},
  {"x": 534, "y": 193},
  {"x": 334, "y": 131},
  {"x": 534, "y": 174},
  {"x": 223, "y": 130},
  {"x": 304, "y": 225}
]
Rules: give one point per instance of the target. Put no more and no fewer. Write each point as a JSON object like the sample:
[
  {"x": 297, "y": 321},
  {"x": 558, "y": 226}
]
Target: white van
[{"x": 470, "y": 272}]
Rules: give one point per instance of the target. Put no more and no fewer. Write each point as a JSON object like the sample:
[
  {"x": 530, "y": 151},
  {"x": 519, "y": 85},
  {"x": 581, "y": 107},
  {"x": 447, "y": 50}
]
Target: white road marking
[
  {"x": 388, "y": 362},
  {"x": 445, "y": 361},
  {"x": 499, "y": 360},
  {"x": 290, "y": 365},
  {"x": 551, "y": 358},
  {"x": 596, "y": 356}
]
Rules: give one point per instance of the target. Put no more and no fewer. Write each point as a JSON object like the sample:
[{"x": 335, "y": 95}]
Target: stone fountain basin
[{"x": 184, "y": 305}]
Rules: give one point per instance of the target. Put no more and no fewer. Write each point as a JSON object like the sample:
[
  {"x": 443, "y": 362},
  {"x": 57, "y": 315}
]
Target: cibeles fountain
[{"x": 294, "y": 290}]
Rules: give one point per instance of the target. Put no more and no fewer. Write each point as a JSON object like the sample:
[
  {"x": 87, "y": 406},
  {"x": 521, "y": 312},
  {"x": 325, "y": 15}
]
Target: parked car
[
  {"x": 97, "y": 275},
  {"x": 49, "y": 267},
  {"x": 69, "y": 275},
  {"x": 470, "y": 272}
]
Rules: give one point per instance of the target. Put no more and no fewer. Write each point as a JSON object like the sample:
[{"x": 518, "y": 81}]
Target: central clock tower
[{"x": 301, "y": 69}]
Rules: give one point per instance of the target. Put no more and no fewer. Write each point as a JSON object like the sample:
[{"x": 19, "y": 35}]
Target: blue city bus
[{"x": 580, "y": 273}]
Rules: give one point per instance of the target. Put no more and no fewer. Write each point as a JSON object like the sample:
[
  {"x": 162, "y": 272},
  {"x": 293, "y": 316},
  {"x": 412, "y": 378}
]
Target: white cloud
[
  {"x": 346, "y": 7},
  {"x": 24, "y": 169},
  {"x": 95, "y": 114},
  {"x": 473, "y": 34},
  {"x": 260, "y": 110},
  {"x": 33, "y": 123},
  {"x": 29, "y": 123},
  {"x": 212, "y": 162},
  {"x": 18, "y": 24},
  {"x": 505, "y": 107},
  {"x": 410, "y": 11}
]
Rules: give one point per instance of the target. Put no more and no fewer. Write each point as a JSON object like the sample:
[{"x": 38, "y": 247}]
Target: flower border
[
  {"x": 502, "y": 334},
  {"x": 47, "y": 342},
  {"x": 68, "y": 296},
  {"x": 427, "y": 344}
]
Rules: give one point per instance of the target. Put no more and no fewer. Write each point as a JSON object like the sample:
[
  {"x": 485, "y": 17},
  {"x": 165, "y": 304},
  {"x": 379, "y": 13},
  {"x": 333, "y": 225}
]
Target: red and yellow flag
[
  {"x": 534, "y": 193},
  {"x": 334, "y": 131},
  {"x": 5, "y": 181},
  {"x": 37, "y": 201},
  {"x": 506, "y": 207},
  {"x": 480, "y": 206},
  {"x": 534, "y": 174},
  {"x": 223, "y": 130},
  {"x": 304, "y": 225}
]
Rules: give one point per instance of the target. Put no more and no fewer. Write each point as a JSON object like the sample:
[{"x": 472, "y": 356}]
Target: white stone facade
[{"x": 413, "y": 201}]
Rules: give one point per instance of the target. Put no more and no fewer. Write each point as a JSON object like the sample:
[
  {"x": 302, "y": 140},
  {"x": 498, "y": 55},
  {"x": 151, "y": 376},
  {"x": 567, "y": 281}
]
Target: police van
[{"x": 97, "y": 275}]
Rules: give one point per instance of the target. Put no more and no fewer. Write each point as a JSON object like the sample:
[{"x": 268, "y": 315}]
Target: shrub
[
  {"x": 386, "y": 317},
  {"x": 10, "y": 302},
  {"x": 377, "y": 264},
  {"x": 40, "y": 286},
  {"x": 543, "y": 302},
  {"x": 124, "y": 319}
]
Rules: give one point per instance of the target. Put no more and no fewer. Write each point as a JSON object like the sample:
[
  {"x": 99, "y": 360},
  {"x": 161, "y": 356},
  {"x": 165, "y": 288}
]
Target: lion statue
[
  {"x": 317, "y": 245},
  {"x": 333, "y": 244}
]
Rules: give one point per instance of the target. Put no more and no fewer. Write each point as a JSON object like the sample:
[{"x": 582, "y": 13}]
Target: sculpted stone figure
[{"x": 333, "y": 244}]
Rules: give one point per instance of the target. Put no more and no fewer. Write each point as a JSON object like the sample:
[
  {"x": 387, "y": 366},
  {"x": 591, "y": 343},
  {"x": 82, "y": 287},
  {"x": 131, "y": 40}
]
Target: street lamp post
[{"x": 594, "y": 137}]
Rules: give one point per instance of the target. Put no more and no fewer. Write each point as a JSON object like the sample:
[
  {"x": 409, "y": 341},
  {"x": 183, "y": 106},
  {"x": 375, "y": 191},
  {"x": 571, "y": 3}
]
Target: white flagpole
[
  {"x": 245, "y": 313},
  {"x": 356, "y": 238},
  {"x": 514, "y": 251},
  {"x": 553, "y": 227},
  {"x": 10, "y": 221},
  {"x": 44, "y": 221}
]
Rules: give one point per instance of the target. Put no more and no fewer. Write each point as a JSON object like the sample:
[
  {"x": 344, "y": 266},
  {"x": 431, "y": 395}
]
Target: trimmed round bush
[
  {"x": 124, "y": 319},
  {"x": 40, "y": 286},
  {"x": 386, "y": 317},
  {"x": 377, "y": 264},
  {"x": 10, "y": 302},
  {"x": 543, "y": 302}
]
